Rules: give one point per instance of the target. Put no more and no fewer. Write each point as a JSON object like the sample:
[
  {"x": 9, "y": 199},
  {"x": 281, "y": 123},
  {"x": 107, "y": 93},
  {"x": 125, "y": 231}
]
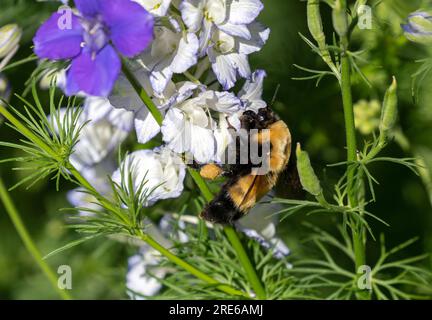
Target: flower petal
[
  {"x": 243, "y": 11},
  {"x": 96, "y": 108},
  {"x": 157, "y": 8},
  {"x": 184, "y": 91},
  {"x": 53, "y": 42},
  {"x": 253, "y": 88},
  {"x": 100, "y": 109},
  {"x": 146, "y": 126},
  {"x": 143, "y": 167},
  {"x": 161, "y": 75},
  {"x": 186, "y": 55},
  {"x": 131, "y": 26},
  {"x": 223, "y": 137},
  {"x": 174, "y": 129},
  {"x": 192, "y": 14},
  {"x": 88, "y": 8},
  {"x": 205, "y": 36},
  {"x": 227, "y": 66},
  {"x": 203, "y": 144},
  {"x": 139, "y": 282},
  {"x": 225, "y": 102},
  {"x": 259, "y": 36},
  {"x": 94, "y": 75},
  {"x": 236, "y": 30}
]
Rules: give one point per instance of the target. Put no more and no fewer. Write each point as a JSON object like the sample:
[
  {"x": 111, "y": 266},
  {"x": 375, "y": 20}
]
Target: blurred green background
[{"x": 314, "y": 115}]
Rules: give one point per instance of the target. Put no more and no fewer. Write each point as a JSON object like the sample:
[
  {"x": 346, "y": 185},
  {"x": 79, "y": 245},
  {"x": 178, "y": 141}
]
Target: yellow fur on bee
[
  {"x": 280, "y": 138},
  {"x": 251, "y": 188},
  {"x": 210, "y": 171}
]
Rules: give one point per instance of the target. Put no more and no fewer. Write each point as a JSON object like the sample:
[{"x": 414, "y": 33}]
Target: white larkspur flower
[
  {"x": 188, "y": 127},
  {"x": 158, "y": 8},
  {"x": 106, "y": 129},
  {"x": 139, "y": 283},
  {"x": 229, "y": 54},
  {"x": 251, "y": 93},
  {"x": 171, "y": 52},
  {"x": 161, "y": 171},
  {"x": 230, "y": 16}
]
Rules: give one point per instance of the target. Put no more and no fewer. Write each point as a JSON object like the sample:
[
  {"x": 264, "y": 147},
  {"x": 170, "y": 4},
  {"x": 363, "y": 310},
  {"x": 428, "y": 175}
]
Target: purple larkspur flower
[{"x": 93, "y": 41}]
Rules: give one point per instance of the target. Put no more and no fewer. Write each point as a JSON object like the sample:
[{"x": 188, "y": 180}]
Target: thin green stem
[
  {"x": 234, "y": 240},
  {"x": 358, "y": 233},
  {"x": 349, "y": 121},
  {"x": 83, "y": 182},
  {"x": 245, "y": 262},
  {"x": 192, "y": 77},
  {"x": 28, "y": 242},
  {"x": 142, "y": 93},
  {"x": 202, "y": 185}
]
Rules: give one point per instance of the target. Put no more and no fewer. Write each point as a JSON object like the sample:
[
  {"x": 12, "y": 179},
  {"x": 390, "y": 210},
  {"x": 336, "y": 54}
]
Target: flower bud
[
  {"x": 5, "y": 89},
  {"x": 315, "y": 23},
  {"x": 419, "y": 27},
  {"x": 10, "y": 35},
  {"x": 340, "y": 19},
  {"x": 307, "y": 175},
  {"x": 389, "y": 112}
]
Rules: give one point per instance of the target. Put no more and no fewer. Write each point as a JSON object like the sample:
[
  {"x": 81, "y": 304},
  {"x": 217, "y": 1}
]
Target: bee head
[{"x": 260, "y": 120}]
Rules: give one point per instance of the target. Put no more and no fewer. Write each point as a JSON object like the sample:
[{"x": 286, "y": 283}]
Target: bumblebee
[{"x": 245, "y": 187}]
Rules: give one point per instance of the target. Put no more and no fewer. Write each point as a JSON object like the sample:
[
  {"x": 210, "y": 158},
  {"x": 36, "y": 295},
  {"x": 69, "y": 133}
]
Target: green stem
[
  {"x": 83, "y": 182},
  {"x": 349, "y": 121},
  {"x": 245, "y": 262},
  {"x": 358, "y": 234},
  {"x": 27, "y": 240},
  {"x": 142, "y": 93},
  {"x": 234, "y": 240},
  {"x": 202, "y": 185}
]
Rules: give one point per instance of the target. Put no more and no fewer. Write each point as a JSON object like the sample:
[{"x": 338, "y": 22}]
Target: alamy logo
[
  {"x": 64, "y": 22},
  {"x": 364, "y": 13},
  {"x": 364, "y": 281},
  {"x": 64, "y": 281}
]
